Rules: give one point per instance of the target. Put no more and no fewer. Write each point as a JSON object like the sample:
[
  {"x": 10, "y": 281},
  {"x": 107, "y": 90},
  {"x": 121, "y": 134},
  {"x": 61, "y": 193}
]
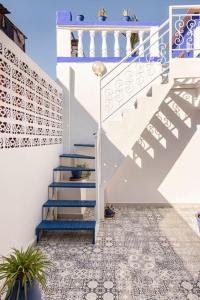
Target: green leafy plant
[
  {"x": 21, "y": 268},
  {"x": 134, "y": 36},
  {"x": 86, "y": 174}
]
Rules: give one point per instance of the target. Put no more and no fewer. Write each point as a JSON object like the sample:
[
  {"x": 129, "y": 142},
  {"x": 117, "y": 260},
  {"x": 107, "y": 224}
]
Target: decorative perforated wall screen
[{"x": 30, "y": 104}]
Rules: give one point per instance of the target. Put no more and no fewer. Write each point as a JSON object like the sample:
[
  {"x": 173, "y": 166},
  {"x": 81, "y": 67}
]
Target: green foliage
[
  {"x": 134, "y": 36},
  {"x": 21, "y": 268},
  {"x": 86, "y": 174}
]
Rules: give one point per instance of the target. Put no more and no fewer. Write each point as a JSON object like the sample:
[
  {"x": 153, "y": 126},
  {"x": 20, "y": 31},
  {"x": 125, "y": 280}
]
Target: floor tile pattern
[{"x": 143, "y": 254}]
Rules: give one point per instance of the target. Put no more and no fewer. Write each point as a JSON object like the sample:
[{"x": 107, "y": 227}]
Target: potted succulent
[
  {"x": 102, "y": 15},
  {"x": 109, "y": 212},
  {"x": 79, "y": 173},
  {"x": 80, "y": 18},
  {"x": 23, "y": 271},
  {"x": 126, "y": 16},
  {"x": 134, "y": 35}
]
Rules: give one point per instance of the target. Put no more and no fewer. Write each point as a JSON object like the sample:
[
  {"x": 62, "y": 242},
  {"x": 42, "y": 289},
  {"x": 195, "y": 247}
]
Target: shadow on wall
[
  {"x": 79, "y": 124},
  {"x": 161, "y": 143}
]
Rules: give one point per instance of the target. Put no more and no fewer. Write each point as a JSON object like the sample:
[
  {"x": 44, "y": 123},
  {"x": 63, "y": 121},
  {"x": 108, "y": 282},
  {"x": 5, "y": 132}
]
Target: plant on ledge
[
  {"x": 126, "y": 16},
  {"x": 23, "y": 272},
  {"x": 80, "y": 174},
  {"x": 102, "y": 14},
  {"x": 134, "y": 36}
]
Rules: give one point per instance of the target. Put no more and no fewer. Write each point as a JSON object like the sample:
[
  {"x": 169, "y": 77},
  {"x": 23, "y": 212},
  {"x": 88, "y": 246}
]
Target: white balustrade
[
  {"x": 154, "y": 42},
  {"x": 141, "y": 37},
  {"x": 116, "y": 45},
  {"x": 80, "y": 43},
  {"x": 92, "y": 43},
  {"x": 104, "y": 44},
  {"x": 64, "y": 36},
  {"x": 128, "y": 42}
]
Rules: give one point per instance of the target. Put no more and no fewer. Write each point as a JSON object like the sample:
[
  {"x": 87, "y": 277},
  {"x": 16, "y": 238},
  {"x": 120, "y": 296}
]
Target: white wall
[
  {"x": 25, "y": 174},
  {"x": 82, "y": 94},
  {"x": 159, "y": 162},
  {"x": 26, "y": 158}
]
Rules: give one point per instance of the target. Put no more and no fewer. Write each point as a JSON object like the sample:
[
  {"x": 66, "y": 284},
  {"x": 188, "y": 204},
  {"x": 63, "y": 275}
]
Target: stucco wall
[{"x": 30, "y": 143}]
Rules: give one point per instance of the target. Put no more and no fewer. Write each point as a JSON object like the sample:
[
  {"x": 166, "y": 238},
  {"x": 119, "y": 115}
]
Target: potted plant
[
  {"x": 102, "y": 15},
  {"x": 80, "y": 18},
  {"x": 23, "y": 271},
  {"x": 126, "y": 16},
  {"x": 109, "y": 212},
  {"x": 134, "y": 35},
  {"x": 78, "y": 172}
]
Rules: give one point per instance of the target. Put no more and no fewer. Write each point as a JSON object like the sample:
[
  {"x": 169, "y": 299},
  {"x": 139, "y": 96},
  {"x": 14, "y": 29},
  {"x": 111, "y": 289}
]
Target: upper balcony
[{"x": 104, "y": 40}]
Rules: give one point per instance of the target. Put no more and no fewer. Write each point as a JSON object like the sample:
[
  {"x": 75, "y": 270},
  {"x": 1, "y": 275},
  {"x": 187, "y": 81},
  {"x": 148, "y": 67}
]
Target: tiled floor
[{"x": 144, "y": 254}]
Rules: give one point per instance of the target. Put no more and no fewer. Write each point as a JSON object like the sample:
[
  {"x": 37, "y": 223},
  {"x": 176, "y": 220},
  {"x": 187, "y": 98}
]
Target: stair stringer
[{"x": 119, "y": 137}]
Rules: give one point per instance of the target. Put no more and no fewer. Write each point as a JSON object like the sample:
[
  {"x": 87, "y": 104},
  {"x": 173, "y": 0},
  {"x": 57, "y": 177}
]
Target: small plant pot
[
  {"x": 102, "y": 18},
  {"x": 76, "y": 174},
  {"x": 80, "y": 18},
  {"x": 33, "y": 292},
  {"x": 126, "y": 18}
]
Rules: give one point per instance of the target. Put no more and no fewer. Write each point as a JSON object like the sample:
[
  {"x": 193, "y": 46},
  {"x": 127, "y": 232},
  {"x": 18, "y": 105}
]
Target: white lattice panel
[{"x": 30, "y": 102}]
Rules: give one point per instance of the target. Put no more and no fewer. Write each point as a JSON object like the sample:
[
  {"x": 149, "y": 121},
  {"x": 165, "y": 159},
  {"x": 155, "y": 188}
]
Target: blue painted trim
[
  {"x": 75, "y": 155},
  {"x": 89, "y": 185},
  {"x": 62, "y": 21},
  {"x": 63, "y": 16},
  {"x": 66, "y": 225},
  {"x": 85, "y": 145},
  {"x": 70, "y": 203},
  {"x": 66, "y": 169},
  {"x": 104, "y": 59}
]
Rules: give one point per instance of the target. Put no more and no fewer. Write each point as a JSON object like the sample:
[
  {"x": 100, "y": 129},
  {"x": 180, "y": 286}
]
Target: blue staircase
[{"x": 60, "y": 224}]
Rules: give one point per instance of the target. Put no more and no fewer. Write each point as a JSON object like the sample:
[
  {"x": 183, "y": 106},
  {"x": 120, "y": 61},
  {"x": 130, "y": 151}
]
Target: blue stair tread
[
  {"x": 85, "y": 145},
  {"x": 65, "y": 168},
  {"x": 73, "y": 185},
  {"x": 75, "y": 155},
  {"x": 66, "y": 225},
  {"x": 69, "y": 203}
]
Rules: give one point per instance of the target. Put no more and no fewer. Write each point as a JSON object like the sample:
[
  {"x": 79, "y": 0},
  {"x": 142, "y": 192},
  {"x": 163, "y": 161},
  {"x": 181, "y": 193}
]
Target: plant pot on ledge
[
  {"x": 76, "y": 175},
  {"x": 102, "y": 18},
  {"x": 126, "y": 18},
  {"x": 80, "y": 18}
]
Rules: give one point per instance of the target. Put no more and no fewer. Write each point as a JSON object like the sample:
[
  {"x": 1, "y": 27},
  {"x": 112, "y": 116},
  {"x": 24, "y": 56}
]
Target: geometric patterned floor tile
[{"x": 143, "y": 254}]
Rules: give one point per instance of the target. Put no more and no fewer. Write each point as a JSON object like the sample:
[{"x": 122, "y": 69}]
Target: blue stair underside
[
  {"x": 69, "y": 203},
  {"x": 90, "y": 185},
  {"x": 66, "y": 225},
  {"x": 63, "y": 168},
  {"x": 74, "y": 155},
  {"x": 85, "y": 145}
]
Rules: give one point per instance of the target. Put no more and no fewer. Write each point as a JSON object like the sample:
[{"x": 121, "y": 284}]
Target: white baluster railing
[
  {"x": 104, "y": 44},
  {"x": 116, "y": 45},
  {"x": 92, "y": 43},
  {"x": 80, "y": 43}
]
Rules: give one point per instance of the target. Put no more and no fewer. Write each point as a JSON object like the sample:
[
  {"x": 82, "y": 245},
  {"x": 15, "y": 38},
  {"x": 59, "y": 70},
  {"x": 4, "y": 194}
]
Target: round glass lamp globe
[{"x": 98, "y": 68}]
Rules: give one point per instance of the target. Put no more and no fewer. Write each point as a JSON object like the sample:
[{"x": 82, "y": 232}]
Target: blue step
[
  {"x": 85, "y": 145},
  {"x": 65, "y": 225},
  {"x": 69, "y": 203},
  {"x": 75, "y": 155},
  {"x": 63, "y": 168},
  {"x": 89, "y": 185}
]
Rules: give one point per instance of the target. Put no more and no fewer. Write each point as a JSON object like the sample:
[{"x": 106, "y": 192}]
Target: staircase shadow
[{"x": 156, "y": 151}]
